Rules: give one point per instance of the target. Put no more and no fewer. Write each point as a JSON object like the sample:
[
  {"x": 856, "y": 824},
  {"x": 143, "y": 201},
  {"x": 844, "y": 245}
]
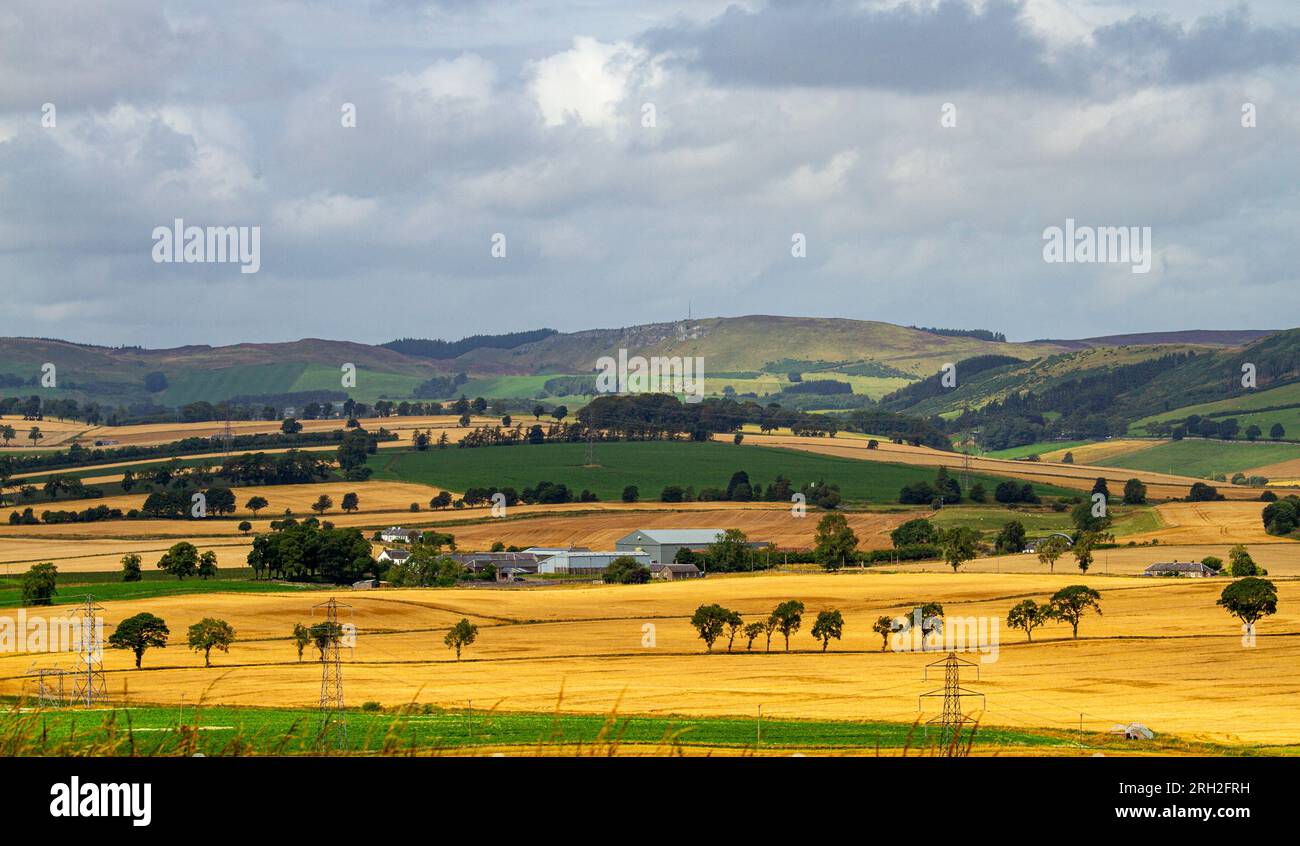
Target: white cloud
[{"x": 587, "y": 82}]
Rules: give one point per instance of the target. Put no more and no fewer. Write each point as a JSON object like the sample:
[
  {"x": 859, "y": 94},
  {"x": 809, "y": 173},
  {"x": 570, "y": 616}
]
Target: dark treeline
[
  {"x": 819, "y": 386},
  {"x": 427, "y": 348},
  {"x": 932, "y": 386},
  {"x": 981, "y": 334},
  {"x": 899, "y": 428}
]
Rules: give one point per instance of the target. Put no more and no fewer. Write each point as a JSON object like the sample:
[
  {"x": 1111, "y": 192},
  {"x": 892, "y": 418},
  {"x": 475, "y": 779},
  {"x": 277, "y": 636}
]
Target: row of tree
[{"x": 711, "y": 622}]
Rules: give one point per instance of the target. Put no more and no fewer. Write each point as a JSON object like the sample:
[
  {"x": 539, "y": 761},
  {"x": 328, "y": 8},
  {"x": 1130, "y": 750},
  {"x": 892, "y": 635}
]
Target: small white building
[
  {"x": 573, "y": 563},
  {"x": 396, "y": 534},
  {"x": 394, "y": 556}
]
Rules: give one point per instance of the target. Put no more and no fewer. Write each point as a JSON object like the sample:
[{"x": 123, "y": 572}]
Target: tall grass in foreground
[{"x": 152, "y": 731}]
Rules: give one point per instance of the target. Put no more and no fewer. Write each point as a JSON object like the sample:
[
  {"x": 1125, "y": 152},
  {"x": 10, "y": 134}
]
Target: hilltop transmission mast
[
  {"x": 951, "y": 721},
  {"x": 88, "y": 684},
  {"x": 333, "y": 719}
]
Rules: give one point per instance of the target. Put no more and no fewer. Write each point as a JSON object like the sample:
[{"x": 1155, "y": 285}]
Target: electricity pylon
[
  {"x": 333, "y": 718},
  {"x": 951, "y": 721},
  {"x": 89, "y": 686}
]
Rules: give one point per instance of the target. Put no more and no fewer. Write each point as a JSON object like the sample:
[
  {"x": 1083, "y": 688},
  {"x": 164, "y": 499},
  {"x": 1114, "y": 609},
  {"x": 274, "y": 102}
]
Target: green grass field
[
  {"x": 509, "y": 387},
  {"x": 371, "y": 385},
  {"x": 217, "y": 730},
  {"x": 989, "y": 520},
  {"x": 73, "y": 587},
  {"x": 1284, "y": 395},
  {"x": 651, "y": 466},
  {"x": 1203, "y": 458}
]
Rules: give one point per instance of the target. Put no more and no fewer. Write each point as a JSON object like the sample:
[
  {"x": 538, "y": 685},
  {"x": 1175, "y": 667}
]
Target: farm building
[
  {"x": 524, "y": 562},
  {"x": 669, "y": 572},
  {"x": 1190, "y": 569},
  {"x": 396, "y": 534},
  {"x": 662, "y": 545},
  {"x": 575, "y": 563},
  {"x": 394, "y": 556}
]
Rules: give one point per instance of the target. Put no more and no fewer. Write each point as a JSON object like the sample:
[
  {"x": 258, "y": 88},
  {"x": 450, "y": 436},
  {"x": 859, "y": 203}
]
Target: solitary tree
[
  {"x": 1028, "y": 615},
  {"x": 207, "y": 565},
  {"x": 709, "y": 622},
  {"x": 958, "y": 545},
  {"x": 245, "y": 526},
  {"x": 1011, "y": 539},
  {"x": 461, "y": 635},
  {"x": 130, "y": 567},
  {"x": 208, "y": 634},
  {"x": 789, "y": 616},
  {"x": 1050, "y": 550},
  {"x": 351, "y": 502},
  {"x": 835, "y": 542},
  {"x": 1249, "y": 599},
  {"x": 752, "y": 631},
  {"x": 884, "y": 626},
  {"x": 829, "y": 624},
  {"x": 256, "y": 504},
  {"x": 323, "y": 503},
  {"x": 1135, "y": 493},
  {"x": 1084, "y": 546},
  {"x": 181, "y": 560},
  {"x": 1242, "y": 563},
  {"x": 1072, "y": 602},
  {"x": 139, "y": 633},
  {"x": 40, "y": 584},
  {"x": 301, "y": 637}
]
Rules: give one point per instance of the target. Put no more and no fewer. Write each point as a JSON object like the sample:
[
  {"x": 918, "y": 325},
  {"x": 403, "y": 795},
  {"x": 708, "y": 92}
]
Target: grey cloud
[{"x": 954, "y": 46}]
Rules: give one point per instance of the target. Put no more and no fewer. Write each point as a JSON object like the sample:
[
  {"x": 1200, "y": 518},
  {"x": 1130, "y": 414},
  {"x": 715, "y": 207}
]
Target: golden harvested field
[
  {"x": 56, "y": 432},
  {"x": 1210, "y": 522},
  {"x": 1077, "y": 476},
  {"x": 403, "y": 428},
  {"x": 771, "y": 523},
  {"x": 160, "y": 433},
  {"x": 1101, "y": 450},
  {"x": 1282, "y": 473},
  {"x": 1162, "y": 653},
  {"x": 1280, "y": 558},
  {"x": 100, "y": 546}
]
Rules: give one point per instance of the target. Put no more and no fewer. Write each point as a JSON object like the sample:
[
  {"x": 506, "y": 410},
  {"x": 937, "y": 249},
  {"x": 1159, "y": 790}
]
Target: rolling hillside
[{"x": 753, "y": 355}]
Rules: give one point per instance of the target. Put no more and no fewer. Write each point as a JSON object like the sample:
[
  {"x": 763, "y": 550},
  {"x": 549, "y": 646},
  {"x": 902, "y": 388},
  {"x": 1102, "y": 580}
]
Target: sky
[{"x": 603, "y": 163}]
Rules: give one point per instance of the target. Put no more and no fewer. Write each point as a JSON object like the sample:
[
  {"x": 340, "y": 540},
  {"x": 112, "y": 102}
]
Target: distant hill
[
  {"x": 758, "y": 356},
  {"x": 749, "y": 343},
  {"x": 1202, "y": 337}
]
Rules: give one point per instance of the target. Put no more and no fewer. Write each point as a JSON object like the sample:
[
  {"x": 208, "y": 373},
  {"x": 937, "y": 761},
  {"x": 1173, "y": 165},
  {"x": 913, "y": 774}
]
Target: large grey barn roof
[{"x": 674, "y": 536}]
